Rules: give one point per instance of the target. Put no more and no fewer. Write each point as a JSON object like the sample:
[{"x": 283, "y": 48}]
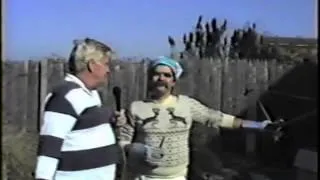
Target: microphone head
[{"x": 116, "y": 91}]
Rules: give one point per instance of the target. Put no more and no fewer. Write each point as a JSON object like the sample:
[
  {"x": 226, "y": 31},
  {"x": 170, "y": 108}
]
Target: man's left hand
[
  {"x": 255, "y": 124},
  {"x": 265, "y": 123},
  {"x": 120, "y": 118}
]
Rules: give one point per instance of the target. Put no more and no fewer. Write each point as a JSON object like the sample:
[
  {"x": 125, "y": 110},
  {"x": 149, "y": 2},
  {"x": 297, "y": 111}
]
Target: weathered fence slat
[
  {"x": 24, "y": 93},
  {"x": 202, "y": 80},
  {"x": 131, "y": 83},
  {"x": 262, "y": 76},
  {"x": 240, "y": 87},
  {"x": 140, "y": 81},
  {"x": 55, "y": 73},
  {"x": 251, "y": 86},
  {"x": 190, "y": 79},
  {"x": 215, "y": 81},
  {"x": 43, "y": 89},
  {"x": 16, "y": 82},
  {"x": 7, "y": 83},
  {"x": 116, "y": 79},
  {"x": 137, "y": 82},
  {"x": 187, "y": 83},
  {"x": 21, "y": 92},
  {"x": 233, "y": 87},
  {"x": 33, "y": 96},
  {"x": 145, "y": 78},
  {"x": 272, "y": 68},
  {"x": 227, "y": 81},
  {"x": 126, "y": 81}
]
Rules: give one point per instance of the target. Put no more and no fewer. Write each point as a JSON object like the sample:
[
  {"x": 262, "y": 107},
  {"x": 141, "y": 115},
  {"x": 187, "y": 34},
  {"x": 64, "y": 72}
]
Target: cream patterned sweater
[{"x": 150, "y": 122}]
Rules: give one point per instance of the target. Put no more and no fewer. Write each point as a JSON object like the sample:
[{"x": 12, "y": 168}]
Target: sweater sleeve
[
  {"x": 210, "y": 117},
  {"x": 59, "y": 118}
]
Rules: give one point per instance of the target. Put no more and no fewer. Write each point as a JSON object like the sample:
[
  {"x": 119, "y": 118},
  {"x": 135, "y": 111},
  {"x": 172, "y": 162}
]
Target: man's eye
[{"x": 167, "y": 75}]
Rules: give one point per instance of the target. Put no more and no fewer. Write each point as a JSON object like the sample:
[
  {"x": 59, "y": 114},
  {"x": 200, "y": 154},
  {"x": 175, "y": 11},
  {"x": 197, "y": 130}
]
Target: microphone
[{"x": 117, "y": 96}]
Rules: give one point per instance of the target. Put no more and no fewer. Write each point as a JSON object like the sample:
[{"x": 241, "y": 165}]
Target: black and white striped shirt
[{"x": 76, "y": 139}]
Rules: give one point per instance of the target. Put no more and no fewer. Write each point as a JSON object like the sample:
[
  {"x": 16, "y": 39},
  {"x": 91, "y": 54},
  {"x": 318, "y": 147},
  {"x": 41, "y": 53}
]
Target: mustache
[{"x": 160, "y": 83}]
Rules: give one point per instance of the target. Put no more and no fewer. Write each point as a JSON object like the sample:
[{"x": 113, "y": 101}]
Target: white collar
[{"x": 75, "y": 79}]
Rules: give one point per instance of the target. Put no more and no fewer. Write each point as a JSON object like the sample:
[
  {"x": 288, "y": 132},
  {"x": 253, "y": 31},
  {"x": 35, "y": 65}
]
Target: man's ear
[
  {"x": 174, "y": 82},
  {"x": 90, "y": 65}
]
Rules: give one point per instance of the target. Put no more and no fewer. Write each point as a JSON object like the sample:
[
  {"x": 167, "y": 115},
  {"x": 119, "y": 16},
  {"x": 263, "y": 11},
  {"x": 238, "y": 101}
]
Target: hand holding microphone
[
  {"x": 120, "y": 118},
  {"x": 151, "y": 155},
  {"x": 117, "y": 97}
]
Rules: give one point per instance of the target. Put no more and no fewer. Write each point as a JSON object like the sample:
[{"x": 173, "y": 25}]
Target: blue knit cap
[{"x": 173, "y": 64}]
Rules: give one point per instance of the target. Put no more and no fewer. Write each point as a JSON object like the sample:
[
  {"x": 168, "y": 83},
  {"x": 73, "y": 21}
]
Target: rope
[
  {"x": 293, "y": 96},
  {"x": 298, "y": 118}
]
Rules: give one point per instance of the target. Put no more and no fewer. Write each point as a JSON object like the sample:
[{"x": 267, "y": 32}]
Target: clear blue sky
[{"x": 37, "y": 28}]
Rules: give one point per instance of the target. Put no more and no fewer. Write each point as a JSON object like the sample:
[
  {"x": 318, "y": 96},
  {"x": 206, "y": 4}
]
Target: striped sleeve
[{"x": 58, "y": 120}]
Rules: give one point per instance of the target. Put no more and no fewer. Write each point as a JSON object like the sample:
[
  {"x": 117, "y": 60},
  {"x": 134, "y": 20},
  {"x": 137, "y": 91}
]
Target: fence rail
[{"x": 222, "y": 85}]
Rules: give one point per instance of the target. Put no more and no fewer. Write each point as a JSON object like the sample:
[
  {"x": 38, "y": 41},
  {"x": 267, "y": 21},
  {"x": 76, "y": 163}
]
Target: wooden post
[
  {"x": 252, "y": 114},
  {"x": 16, "y": 105},
  {"x": 55, "y": 73},
  {"x": 23, "y": 92},
  {"x": 6, "y": 83},
  {"x": 226, "y": 86},
  {"x": 240, "y": 83},
  {"x": 33, "y": 96},
  {"x": 145, "y": 78},
  {"x": 43, "y": 89},
  {"x": 215, "y": 88}
]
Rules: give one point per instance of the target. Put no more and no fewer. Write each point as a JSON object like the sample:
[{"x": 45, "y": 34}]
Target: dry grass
[{"x": 18, "y": 153}]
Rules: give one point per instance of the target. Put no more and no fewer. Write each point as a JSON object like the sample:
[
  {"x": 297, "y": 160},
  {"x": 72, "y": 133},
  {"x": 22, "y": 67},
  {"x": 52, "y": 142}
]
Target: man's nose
[
  {"x": 107, "y": 70},
  {"x": 161, "y": 77}
]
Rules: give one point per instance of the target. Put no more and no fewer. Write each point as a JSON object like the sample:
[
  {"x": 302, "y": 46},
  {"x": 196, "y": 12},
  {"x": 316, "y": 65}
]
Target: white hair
[{"x": 87, "y": 50}]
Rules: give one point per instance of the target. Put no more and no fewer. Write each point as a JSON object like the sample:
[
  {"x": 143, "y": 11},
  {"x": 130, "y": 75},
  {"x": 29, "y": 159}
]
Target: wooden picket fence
[{"x": 219, "y": 84}]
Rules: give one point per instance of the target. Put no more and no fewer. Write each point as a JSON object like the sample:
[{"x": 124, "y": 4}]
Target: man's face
[
  {"x": 100, "y": 70},
  {"x": 162, "y": 79}
]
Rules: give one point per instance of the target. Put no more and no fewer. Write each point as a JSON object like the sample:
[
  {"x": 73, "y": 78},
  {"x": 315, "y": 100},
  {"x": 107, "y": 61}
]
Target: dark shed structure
[{"x": 294, "y": 97}]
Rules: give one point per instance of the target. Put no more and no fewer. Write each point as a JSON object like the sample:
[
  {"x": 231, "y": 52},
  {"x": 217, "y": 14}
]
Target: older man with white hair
[{"x": 76, "y": 139}]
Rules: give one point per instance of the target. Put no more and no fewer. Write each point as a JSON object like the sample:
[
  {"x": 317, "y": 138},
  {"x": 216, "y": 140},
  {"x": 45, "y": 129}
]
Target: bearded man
[{"x": 154, "y": 132}]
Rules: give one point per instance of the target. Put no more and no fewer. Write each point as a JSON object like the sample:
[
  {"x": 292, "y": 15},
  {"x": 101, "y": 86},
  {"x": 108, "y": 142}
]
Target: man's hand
[
  {"x": 120, "y": 118},
  {"x": 151, "y": 155},
  {"x": 265, "y": 123},
  {"x": 255, "y": 124},
  {"x": 154, "y": 156}
]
